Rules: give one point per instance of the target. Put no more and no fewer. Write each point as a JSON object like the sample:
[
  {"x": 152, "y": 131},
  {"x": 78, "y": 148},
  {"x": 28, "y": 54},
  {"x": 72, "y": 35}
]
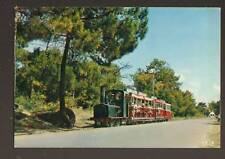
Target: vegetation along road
[{"x": 191, "y": 133}]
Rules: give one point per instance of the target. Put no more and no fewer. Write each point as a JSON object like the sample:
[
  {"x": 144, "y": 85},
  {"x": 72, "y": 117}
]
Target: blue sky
[{"x": 189, "y": 40}]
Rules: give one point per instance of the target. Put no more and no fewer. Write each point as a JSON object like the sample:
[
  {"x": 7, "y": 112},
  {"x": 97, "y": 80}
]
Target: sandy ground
[{"x": 212, "y": 138}]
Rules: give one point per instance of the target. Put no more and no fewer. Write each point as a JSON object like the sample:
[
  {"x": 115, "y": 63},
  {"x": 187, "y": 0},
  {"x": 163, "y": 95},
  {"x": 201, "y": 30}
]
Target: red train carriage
[{"x": 142, "y": 107}]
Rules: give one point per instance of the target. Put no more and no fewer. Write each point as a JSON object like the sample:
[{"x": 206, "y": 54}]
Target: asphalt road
[{"x": 172, "y": 134}]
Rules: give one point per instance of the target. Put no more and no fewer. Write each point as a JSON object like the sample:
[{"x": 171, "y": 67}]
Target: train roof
[
  {"x": 140, "y": 95},
  {"x": 162, "y": 101}
]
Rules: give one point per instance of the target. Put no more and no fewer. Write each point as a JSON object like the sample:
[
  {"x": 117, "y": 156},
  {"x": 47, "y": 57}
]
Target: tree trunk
[
  {"x": 67, "y": 115},
  {"x": 62, "y": 75},
  {"x": 30, "y": 88}
]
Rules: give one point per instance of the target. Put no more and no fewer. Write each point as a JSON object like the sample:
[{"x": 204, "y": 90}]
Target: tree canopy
[
  {"x": 215, "y": 107},
  {"x": 104, "y": 34},
  {"x": 159, "y": 80},
  {"x": 100, "y": 34}
]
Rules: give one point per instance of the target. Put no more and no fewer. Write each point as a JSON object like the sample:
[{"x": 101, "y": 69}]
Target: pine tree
[{"x": 102, "y": 34}]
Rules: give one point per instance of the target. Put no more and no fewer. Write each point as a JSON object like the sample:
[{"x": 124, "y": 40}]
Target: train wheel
[
  {"x": 117, "y": 123},
  {"x": 129, "y": 122},
  {"x": 97, "y": 124},
  {"x": 110, "y": 123},
  {"x": 107, "y": 123},
  {"x": 121, "y": 122}
]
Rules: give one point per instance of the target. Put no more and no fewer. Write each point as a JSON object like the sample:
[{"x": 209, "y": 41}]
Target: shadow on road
[{"x": 86, "y": 126}]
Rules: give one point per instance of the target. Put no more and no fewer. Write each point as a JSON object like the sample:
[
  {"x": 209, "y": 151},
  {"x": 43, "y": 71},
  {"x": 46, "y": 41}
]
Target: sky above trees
[{"x": 189, "y": 40}]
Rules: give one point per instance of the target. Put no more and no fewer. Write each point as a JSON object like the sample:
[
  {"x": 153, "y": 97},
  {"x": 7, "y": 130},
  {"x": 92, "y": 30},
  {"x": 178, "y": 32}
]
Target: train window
[
  {"x": 136, "y": 101},
  {"x": 143, "y": 102},
  {"x": 167, "y": 107},
  {"x": 139, "y": 102},
  {"x": 114, "y": 97}
]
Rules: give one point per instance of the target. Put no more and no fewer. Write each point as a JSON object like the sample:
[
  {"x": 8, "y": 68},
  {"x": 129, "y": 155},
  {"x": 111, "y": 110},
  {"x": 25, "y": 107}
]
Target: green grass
[{"x": 214, "y": 137}]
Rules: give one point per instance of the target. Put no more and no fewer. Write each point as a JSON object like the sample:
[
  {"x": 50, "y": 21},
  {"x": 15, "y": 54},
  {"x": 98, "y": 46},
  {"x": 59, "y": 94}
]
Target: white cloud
[
  {"x": 197, "y": 86},
  {"x": 201, "y": 91},
  {"x": 216, "y": 92},
  {"x": 216, "y": 87},
  {"x": 182, "y": 77}
]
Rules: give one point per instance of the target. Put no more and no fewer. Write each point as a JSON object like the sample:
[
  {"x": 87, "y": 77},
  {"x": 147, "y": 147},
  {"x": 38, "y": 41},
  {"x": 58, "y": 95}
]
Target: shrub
[
  {"x": 35, "y": 104},
  {"x": 70, "y": 102}
]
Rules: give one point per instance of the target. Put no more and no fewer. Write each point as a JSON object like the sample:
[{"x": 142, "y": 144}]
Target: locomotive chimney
[{"x": 102, "y": 94}]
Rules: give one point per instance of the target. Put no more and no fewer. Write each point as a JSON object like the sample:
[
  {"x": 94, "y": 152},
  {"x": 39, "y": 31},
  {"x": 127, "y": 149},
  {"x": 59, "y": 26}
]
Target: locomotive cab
[
  {"x": 116, "y": 98},
  {"x": 112, "y": 106}
]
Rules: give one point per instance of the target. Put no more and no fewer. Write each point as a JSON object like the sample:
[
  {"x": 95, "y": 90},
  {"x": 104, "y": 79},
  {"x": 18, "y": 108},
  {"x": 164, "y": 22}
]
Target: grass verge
[{"x": 212, "y": 139}]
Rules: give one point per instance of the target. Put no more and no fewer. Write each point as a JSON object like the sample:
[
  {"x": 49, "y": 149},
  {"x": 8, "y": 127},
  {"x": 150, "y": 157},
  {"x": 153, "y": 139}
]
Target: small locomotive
[{"x": 119, "y": 107}]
